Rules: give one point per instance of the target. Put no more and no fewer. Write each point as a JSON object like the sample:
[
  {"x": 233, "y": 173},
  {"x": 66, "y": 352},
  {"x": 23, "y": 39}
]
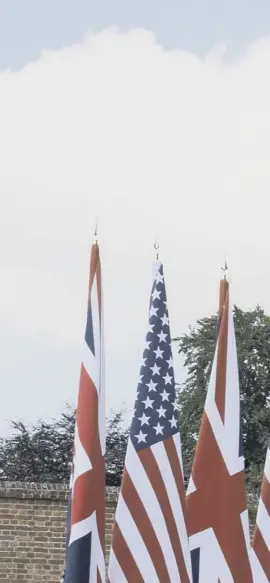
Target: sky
[{"x": 155, "y": 117}]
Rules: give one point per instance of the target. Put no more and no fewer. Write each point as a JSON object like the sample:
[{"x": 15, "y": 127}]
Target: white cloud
[{"x": 153, "y": 142}]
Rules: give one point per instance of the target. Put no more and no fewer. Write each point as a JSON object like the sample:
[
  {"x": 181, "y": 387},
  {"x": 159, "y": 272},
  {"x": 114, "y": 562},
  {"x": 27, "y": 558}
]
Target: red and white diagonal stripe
[
  {"x": 217, "y": 516},
  {"x": 261, "y": 542},
  {"x": 87, "y": 511},
  {"x": 150, "y": 542}
]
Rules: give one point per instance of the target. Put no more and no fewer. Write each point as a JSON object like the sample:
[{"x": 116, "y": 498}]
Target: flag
[
  {"x": 150, "y": 543},
  {"x": 261, "y": 541},
  {"x": 86, "y": 531},
  {"x": 217, "y": 516}
]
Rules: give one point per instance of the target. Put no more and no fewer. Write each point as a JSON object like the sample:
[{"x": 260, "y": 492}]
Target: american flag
[
  {"x": 86, "y": 531},
  {"x": 217, "y": 516},
  {"x": 150, "y": 543},
  {"x": 261, "y": 541}
]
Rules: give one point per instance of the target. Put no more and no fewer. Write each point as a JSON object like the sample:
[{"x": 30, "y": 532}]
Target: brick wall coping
[{"x": 39, "y": 491}]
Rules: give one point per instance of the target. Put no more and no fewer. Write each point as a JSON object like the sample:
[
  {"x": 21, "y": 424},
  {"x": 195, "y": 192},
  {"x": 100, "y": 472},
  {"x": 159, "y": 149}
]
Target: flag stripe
[
  {"x": 135, "y": 542},
  {"x": 150, "y": 508},
  {"x": 265, "y": 494},
  {"x": 89, "y": 363},
  {"x": 145, "y": 527},
  {"x": 165, "y": 468},
  {"x": 171, "y": 446},
  {"x": 261, "y": 541},
  {"x": 263, "y": 522},
  {"x": 124, "y": 558},
  {"x": 88, "y": 432},
  {"x": 151, "y": 468},
  {"x": 86, "y": 542},
  {"x": 145, "y": 491},
  {"x": 262, "y": 552},
  {"x": 116, "y": 570},
  {"x": 217, "y": 515}
]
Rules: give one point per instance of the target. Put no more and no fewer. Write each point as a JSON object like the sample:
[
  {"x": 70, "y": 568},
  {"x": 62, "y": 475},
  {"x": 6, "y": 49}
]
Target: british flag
[
  {"x": 217, "y": 517},
  {"x": 86, "y": 531},
  {"x": 261, "y": 541}
]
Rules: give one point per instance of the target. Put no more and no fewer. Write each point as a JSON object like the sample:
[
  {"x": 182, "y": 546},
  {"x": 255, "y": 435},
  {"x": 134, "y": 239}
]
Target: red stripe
[
  {"x": 89, "y": 488},
  {"x": 89, "y": 497},
  {"x": 218, "y": 503},
  {"x": 144, "y": 526},
  {"x": 262, "y": 552},
  {"x": 124, "y": 557},
  {"x": 152, "y": 470},
  {"x": 170, "y": 447},
  {"x": 87, "y": 417},
  {"x": 95, "y": 270},
  {"x": 265, "y": 494}
]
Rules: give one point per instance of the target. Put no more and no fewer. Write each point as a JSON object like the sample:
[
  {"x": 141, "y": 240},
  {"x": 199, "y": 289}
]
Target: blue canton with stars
[{"x": 155, "y": 415}]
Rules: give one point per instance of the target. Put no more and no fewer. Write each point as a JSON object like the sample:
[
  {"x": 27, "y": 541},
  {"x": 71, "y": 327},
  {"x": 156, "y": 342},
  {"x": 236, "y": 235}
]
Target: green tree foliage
[
  {"x": 43, "y": 453},
  {"x": 252, "y": 330}
]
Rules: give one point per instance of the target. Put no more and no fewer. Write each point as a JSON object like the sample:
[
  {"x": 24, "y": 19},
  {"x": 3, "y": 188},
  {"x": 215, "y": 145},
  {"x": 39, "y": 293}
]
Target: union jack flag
[
  {"x": 150, "y": 542},
  {"x": 86, "y": 531},
  {"x": 261, "y": 541},
  {"x": 217, "y": 516}
]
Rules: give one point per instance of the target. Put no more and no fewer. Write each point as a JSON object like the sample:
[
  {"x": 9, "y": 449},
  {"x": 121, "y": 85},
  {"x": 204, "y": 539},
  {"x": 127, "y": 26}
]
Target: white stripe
[
  {"x": 135, "y": 542},
  {"x": 97, "y": 556},
  {"x": 96, "y": 328},
  {"x": 263, "y": 522},
  {"x": 259, "y": 575},
  {"x": 227, "y": 433},
  {"x": 81, "y": 462},
  {"x": 213, "y": 564},
  {"x": 81, "y": 529},
  {"x": 149, "y": 499},
  {"x": 267, "y": 465},
  {"x": 116, "y": 574},
  {"x": 245, "y": 526},
  {"x": 90, "y": 364},
  {"x": 191, "y": 487},
  {"x": 178, "y": 447},
  {"x": 101, "y": 403},
  {"x": 165, "y": 469}
]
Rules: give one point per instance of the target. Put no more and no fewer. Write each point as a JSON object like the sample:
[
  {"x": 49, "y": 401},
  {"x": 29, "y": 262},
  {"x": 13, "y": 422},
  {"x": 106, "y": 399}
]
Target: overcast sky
[{"x": 99, "y": 120}]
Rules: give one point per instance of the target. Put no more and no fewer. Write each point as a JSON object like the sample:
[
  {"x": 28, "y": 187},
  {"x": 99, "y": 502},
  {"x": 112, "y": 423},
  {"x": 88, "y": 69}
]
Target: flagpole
[
  {"x": 225, "y": 268},
  {"x": 224, "y": 286},
  {"x": 96, "y": 232},
  {"x": 156, "y": 247}
]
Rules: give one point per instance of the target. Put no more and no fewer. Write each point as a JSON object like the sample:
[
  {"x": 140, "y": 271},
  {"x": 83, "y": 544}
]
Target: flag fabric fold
[
  {"x": 261, "y": 541},
  {"x": 150, "y": 542},
  {"x": 85, "y": 561},
  {"x": 217, "y": 517}
]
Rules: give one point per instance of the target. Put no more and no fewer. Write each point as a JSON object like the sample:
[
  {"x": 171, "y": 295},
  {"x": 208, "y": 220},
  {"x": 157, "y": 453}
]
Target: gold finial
[
  {"x": 225, "y": 269},
  {"x": 156, "y": 247}
]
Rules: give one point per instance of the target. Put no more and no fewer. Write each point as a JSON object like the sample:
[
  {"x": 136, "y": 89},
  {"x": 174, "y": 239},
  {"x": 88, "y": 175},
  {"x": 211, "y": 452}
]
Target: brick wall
[{"x": 32, "y": 531}]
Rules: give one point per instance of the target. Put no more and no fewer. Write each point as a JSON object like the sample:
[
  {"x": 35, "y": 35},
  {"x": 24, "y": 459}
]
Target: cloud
[{"x": 153, "y": 142}]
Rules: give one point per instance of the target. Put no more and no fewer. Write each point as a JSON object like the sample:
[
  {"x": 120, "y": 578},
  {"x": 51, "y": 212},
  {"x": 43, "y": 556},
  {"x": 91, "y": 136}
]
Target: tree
[
  {"x": 116, "y": 445},
  {"x": 43, "y": 453},
  {"x": 252, "y": 331}
]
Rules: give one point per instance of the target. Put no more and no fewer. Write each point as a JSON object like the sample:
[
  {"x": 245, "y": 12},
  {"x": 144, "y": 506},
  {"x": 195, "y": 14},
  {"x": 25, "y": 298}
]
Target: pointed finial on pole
[
  {"x": 96, "y": 233},
  {"x": 225, "y": 269},
  {"x": 156, "y": 247}
]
